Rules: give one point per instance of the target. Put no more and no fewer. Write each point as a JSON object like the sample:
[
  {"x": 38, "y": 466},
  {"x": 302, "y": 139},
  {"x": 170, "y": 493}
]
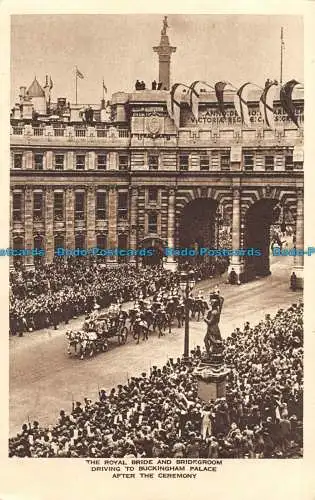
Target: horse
[
  {"x": 140, "y": 326},
  {"x": 162, "y": 321},
  {"x": 73, "y": 341},
  {"x": 200, "y": 307},
  {"x": 180, "y": 314}
]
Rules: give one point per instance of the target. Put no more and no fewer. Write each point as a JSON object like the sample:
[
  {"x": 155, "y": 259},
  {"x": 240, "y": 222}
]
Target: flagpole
[
  {"x": 103, "y": 90},
  {"x": 76, "y": 85},
  {"x": 281, "y": 57}
]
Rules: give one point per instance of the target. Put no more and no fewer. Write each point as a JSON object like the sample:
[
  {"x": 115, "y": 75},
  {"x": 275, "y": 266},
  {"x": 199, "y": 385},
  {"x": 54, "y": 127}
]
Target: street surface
[{"x": 44, "y": 380}]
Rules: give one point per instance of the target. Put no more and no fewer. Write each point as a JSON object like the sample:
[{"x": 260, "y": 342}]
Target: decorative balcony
[{"x": 69, "y": 136}]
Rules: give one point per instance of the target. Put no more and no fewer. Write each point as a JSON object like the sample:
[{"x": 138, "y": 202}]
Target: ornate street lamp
[{"x": 187, "y": 283}]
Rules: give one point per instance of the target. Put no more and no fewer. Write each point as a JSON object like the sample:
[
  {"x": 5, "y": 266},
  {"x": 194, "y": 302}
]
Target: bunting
[
  {"x": 194, "y": 97},
  {"x": 174, "y": 100},
  {"x": 286, "y": 100},
  {"x": 240, "y": 104},
  {"x": 220, "y": 87},
  {"x": 266, "y": 104}
]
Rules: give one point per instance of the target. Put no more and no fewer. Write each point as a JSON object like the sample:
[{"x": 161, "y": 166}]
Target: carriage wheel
[{"x": 123, "y": 335}]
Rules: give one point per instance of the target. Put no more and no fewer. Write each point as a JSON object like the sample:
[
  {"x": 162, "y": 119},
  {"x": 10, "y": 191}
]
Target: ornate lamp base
[{"x": 211, "y": 375}]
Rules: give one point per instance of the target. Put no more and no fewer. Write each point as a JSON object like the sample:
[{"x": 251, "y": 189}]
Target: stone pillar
[
  {"x": 90, "y": 218},
  {"x": 48, "y": 160},
  {"x": 236, "y": 264},
  {"x": 69, "y": 219},
  {"x": 299, "y": 236},
  {"x": 170, "y": 262},
  {"x": 112, "y": 222},
  {"x": 28, "y": 225},
  {"x": 49, "y": 225},
  {"x": 133, "y": 226}
]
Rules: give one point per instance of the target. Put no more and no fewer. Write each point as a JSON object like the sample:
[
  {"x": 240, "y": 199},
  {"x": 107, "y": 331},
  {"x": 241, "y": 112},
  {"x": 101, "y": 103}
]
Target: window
[
  {"x": 58, "y": 206},
  {"x": 225, "y": 162},
  {"x": 288, "y": 162},
  {"x": 79, "y": 209},
  {"x": 183, "y": 162},
  {"x": 37, "y": 206},
  {"x": 59, "y": 242},
  {"x": 39, "y": 245},
  {"x": 101, "y": 241},
  {"x": 101, "y": 161},
  {"x": 153, "y": 162},
  {"x": 79, "y": 241},
  {"x": 123, "y": 162},
  {"x": 248, "y": 161},
  {"x": 100, "y": 205},
  {"x": 204, "y": 162},
  {"x": 80, "y": 162},
  {"x": 59, "y": 162},
  {"x": 17, "y": 207},
  {"x": 38, "y": 160},
  {"x": 152, "y": 223},
  {"x": 153, "y": 195},
  {"x": 17, "y": 160},
  {"x": 122, "y": 206},
  {"x": 269, "y": 163}
]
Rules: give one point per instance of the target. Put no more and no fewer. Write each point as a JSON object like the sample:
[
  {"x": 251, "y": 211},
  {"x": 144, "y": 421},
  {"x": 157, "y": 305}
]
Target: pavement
[{"x": 44, "y": 379}]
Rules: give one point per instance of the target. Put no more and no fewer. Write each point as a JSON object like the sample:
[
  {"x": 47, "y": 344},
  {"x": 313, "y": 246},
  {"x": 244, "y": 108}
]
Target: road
[{"x": 43, "y": 379}]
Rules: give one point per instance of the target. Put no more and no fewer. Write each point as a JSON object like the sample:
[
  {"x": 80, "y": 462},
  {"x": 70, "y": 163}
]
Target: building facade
[{"x": 123, "y": 175}]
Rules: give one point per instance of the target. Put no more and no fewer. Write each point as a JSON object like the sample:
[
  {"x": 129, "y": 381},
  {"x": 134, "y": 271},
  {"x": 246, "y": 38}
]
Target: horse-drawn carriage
[{"x": 96, "y": 330}]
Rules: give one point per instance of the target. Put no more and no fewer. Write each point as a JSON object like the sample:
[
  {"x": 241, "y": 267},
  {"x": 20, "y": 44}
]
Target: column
[
  {"x": 28, "y": 225},
  {"x": 133, "y": 226},
  {"x": 49, "y": 225},
  {"x": 170, "y": 262},
  {"x": 69, "y": 219},
  {"x": 112, "y": 222},
  {"x": 299, "y": 236},
  {"x": 236, "y": 265},
  {"x": 49, "y": 160},
  {"x": 90, "y": 217}
]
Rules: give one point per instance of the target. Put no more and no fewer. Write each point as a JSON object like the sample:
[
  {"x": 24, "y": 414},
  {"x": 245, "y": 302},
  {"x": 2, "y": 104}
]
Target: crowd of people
[
  {"x": 159, "y": 414},
  {"x": 57, "y": 292}
]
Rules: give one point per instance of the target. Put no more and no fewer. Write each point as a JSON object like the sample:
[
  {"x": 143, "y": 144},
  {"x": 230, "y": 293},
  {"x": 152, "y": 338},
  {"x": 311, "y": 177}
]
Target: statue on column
[
  {"x": 165, "y": 26},
  {"x": 213, "y": 340}
]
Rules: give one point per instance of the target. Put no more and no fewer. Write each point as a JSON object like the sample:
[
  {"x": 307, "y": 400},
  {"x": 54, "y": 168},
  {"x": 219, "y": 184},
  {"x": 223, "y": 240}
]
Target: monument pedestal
[{"x": 211, "y": 377}]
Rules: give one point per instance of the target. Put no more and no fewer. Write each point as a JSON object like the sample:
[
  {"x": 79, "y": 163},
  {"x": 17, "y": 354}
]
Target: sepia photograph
[{"x": 156, "y": 247}]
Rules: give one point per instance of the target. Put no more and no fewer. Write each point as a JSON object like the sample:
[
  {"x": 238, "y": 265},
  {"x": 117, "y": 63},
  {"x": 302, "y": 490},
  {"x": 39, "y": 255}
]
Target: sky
[{"x": 235, "y": 48}]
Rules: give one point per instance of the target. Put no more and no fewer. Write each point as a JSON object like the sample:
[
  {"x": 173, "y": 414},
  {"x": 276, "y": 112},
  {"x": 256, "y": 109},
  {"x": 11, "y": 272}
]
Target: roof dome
[{"x": 35, "y": 90}]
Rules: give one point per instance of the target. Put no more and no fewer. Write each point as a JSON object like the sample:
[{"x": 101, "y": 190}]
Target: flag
[
  {"x": 79, "y": 74},
  {"x": 50, "y": 83},
  {"x": 266, "y": 104},
  {"x": 286, "y": 100},
  {"x": 220, "y": 87},
  {"x": 104, "y": 86},
  {"x": 240, "y": 104}
]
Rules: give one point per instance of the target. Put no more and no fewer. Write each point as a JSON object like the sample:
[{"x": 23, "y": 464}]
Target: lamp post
[{"x": 187, "y": 283}]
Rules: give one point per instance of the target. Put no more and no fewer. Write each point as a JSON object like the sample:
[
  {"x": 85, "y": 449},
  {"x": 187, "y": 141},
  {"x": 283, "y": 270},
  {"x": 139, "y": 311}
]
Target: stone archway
[
  {"x": 258, "y": 220},
  {"x": 154, "y": 245},
  {"x": 197, "y": 224}
]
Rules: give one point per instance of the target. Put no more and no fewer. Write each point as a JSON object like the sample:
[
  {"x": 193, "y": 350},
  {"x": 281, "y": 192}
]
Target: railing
[
  {"x": 123, "y": 133},
  {"x": 17, "y": 130},
  {"x": 59, "y": 132},
  {"x": 38, "y": 131},
  {"x": 80, "y": 132},
  {"x": 101, "y": 132}
]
